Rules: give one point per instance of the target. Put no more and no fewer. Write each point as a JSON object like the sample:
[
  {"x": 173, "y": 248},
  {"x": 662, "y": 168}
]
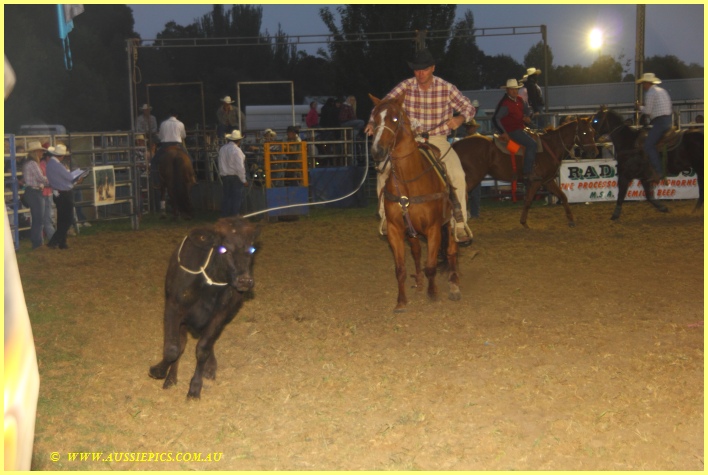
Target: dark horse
[
  {"x": 480, "y": 156},
  {"x": 633, "y": 164},
  {"x": 416, "y": 200},
  {"x": 177, "y": 179}
]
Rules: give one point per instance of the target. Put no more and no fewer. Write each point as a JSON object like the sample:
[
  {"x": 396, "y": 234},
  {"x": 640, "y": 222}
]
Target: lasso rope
[{"x": 202, "y": 269}]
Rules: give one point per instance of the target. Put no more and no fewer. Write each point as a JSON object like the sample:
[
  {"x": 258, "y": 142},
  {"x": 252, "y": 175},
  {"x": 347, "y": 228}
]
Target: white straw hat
[
  {"x": 649, "y": 77},
  {"x": 512, "y": 84},
  {"x": 235, "y": 135}
]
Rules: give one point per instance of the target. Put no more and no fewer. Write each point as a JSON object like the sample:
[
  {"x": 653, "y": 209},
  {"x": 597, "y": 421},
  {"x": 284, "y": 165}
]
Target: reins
[{"x": 202, "y": 269}]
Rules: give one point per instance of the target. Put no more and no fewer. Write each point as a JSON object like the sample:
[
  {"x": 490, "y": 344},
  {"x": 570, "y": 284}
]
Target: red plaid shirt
[{"x": 431, "y": 109}]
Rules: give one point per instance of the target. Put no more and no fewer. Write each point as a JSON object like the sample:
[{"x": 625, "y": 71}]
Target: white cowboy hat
[
  {"x": 34, "y": 145},
  {"x": 532, "y": 71},
  {"x": 269, "y": 132},
  {"x": 512, "y": 84},
  {"x": 227, "y": 100},
  {"x": 139, "y": 137},
  {"x": 60, "y": 150},
  {"x": 649, "y": 77},
  {"x": 146, "y": 107},
  {"x": 235, "y": 135}
]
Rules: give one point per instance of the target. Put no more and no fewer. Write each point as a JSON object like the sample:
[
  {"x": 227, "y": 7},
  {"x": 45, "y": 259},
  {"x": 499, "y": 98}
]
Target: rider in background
[
  {"x": 509, "y": 119},
  {"x": 534, "y": 96},
  {"x": 431, "y": 102},
  {"x": 657, "y": 105}
]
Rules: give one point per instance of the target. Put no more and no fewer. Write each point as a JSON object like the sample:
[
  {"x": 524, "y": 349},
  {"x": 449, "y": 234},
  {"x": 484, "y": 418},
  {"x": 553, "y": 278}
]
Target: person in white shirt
[
  {"x": 657, "y": 105},
  {"x": 172, "y": 132},
  {"x": 232, "y": 169}
]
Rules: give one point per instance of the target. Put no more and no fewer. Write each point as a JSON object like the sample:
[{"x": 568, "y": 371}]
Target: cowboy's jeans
[{"x": 659, "y": 125}]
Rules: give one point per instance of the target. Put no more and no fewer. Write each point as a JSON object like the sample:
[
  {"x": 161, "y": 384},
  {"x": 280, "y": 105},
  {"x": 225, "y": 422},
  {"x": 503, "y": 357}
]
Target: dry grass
[{"x": 572, "y": 349}]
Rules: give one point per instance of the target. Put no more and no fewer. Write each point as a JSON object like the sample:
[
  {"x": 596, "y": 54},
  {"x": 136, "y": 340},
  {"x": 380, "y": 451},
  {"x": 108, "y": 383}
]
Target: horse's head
[
  {"x": 585, "y": 137},
  {"x": 605, "y": 121},
  {"x": 389, "y": 121}
]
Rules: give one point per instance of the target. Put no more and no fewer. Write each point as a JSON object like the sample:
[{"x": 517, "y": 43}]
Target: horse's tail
[{"x": 182, "y": 178}]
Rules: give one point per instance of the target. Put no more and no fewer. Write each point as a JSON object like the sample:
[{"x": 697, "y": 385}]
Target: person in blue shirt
[{"x": 62, "y": 182}]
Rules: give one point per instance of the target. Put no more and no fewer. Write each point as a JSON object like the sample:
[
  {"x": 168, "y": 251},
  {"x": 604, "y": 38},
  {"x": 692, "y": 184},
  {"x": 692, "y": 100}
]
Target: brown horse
[
  {"x": 416, "y": 200},
  {"x": 480, "y": 156},
  {"x": 177, "y": 179}
]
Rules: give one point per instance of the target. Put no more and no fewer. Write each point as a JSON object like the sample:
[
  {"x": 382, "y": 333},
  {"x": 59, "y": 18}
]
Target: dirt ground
[{"x": 571, "y": 349}]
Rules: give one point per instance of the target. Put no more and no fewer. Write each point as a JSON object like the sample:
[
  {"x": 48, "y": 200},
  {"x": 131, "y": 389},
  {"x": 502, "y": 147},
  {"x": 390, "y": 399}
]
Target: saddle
[
  {"x": 520, "y": 153},
  {"x": 433, "y": 155},
  {"x": 671, "y": 139}
]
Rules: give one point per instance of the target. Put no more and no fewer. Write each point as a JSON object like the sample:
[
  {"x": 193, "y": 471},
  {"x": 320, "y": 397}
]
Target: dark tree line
[{"x": 94, "y": 96}]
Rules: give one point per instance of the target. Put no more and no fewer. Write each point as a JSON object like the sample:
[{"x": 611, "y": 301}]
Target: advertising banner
[{"x": 596, "y": 180}]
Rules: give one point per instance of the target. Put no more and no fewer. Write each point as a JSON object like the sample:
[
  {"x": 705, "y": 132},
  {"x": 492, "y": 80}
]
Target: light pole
[{"x": 596, "y": 39}]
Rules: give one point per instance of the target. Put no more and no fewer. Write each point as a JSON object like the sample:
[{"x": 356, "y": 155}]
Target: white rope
[
  {"x": 202, "y": 270},
  {"x": 363, "y": 180}
]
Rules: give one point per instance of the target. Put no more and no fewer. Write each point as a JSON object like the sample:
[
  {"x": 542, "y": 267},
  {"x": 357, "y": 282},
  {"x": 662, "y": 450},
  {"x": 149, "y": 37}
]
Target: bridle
[{"x": 605, "y": 122}]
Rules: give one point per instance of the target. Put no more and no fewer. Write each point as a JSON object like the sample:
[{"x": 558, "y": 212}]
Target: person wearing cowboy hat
[
  {"x": 431, "y": 103},
  {"x": 232, "y": 169},
  {"x": 509, "y": 120},
  {"x": 146, "y": 123},
  {"x": 34, "y": 182},
  {"x": 63, "y": 183},
  {"x": 534, "y": 95},
  {"x": 226, "y": 119},
  {"x": 657, "y": 105}
]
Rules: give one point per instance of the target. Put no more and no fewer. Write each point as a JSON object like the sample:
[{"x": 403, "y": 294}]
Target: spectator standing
[
  {"x": 329, "y": 115},
  {"x": 61, "y": 180},
  {"x": 47, "y": 199},
  {"x": 226, "y": 117},
  {"x": 475, "y": 195},
  {"x": 232, "y": 168},
  {"x": 312, "y": 119},
  {"x": 34, "y": 181},
  {"x": 657, "y": 105},
  {"x": 431, "y": 103},
  {"x": 292, "y": 134}
]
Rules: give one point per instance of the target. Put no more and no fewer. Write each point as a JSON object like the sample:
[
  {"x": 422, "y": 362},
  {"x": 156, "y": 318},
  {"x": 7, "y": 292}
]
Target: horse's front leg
[
  {"x": 622, "y": 187},
  {"x": 531, "y": 189},
  {"x": 398, "y": 247},
  {"x": 416, "y": 252},
  {"x": 431, "y": 262},
  {"x": 553, "y": 187},
  {"x": 649, "y": 192}
]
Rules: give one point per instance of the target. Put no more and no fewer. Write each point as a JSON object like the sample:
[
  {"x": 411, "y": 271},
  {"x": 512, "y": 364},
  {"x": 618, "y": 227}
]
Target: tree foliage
[
  {"x": 360, "y": 59},
  {"x": 94, "y": 93}
]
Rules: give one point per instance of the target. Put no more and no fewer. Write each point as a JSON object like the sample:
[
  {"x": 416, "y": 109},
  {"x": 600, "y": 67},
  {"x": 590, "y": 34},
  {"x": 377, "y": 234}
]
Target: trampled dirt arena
[{"x": 571, "y": 349}]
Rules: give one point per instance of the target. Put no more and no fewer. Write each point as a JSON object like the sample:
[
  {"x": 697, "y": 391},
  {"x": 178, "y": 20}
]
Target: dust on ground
[{"x": 571, "y": 349}]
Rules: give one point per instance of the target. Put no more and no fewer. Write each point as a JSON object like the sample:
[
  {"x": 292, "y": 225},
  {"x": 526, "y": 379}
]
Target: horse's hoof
[
  {"x": 571, "y": 224},
  {"x": 157, "y": 372},
  {"x": 464, "y": 244},
  {"x": 663, "y": 209},
  {"x": 455, "y": 296},
  {"x": 399, "y": 309}
]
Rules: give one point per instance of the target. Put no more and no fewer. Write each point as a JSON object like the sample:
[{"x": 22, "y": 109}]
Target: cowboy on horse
[{"x": 430, "y": 102}]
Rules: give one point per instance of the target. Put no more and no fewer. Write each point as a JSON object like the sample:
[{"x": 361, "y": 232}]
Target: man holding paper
[{"x": 62, "y": 180}]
